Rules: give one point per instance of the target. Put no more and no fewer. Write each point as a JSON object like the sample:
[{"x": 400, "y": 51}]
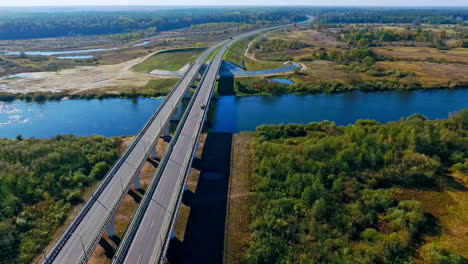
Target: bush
[
  {"x": 320, "y": 188},
  {"x": 99, "y": 170}
]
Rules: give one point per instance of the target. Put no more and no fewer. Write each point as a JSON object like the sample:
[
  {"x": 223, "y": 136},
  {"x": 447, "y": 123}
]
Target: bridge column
[
  {"x": 192, "y": 84},
  {"x": 166, "y": 131},
  {"x": 187, "y": 94},
  {"x": 195, "y": 153},
  {"x": 177, "y": 113},
  {"x": 111, "y": 228},
  {"x": 136, "y": 181},
  {"x": 154, "y": 153}
]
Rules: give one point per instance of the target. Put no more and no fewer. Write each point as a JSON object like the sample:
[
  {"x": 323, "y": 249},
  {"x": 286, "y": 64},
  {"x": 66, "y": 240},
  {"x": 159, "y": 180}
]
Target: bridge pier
[
  {"x": 187, "y": 94},
  {"x": 154, "y": 153},
  {"x": 166, "y": 131},
  {"x": 192, "y": 84},
  {"x": 195, "y": 152},
  {"x": 111, "y": 228},
  {"x": 136, "y": 181},
  {"x": 178, "y": 113}
]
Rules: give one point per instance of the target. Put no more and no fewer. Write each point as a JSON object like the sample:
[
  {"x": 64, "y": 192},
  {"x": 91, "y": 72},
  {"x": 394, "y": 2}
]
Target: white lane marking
[{"x": 139, "y": 256}]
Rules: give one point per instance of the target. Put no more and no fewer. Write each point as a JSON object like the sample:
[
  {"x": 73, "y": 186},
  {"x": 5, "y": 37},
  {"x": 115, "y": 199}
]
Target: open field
[
  {"x": 328, "y": 59},
  {"x": 311, "y": 36},
  {"x": 112, "y": 72},
  {"x": 430, "y": 74},
  {"x": 101, "y": 79},
  {"x": 239, "y": 54},
  {"x": 169, "y": 60},
  {"x": 458, "y": 55}
]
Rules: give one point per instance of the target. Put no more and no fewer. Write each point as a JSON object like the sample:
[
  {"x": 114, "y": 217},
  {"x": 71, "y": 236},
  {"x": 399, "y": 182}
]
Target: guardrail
[{"x": 109, "y": 175}]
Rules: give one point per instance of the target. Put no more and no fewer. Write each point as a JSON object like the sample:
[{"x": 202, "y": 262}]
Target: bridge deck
[
  {"x": 147, "y": 238},
  {"x": 80, "y": 239}
]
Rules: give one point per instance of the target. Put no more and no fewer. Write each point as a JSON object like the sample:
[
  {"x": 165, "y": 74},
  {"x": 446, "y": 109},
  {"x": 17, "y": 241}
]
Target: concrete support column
[
  {"x": 195, "y": 153},
  {"x": 136, "y": 182},
  {"x": 178, "y": 113},
  {"x": 166, "y": 131},
  {"x": 187, "y": 94},
  {"x": 154, "y": 153},
  {"x": 111, "y": 228}
]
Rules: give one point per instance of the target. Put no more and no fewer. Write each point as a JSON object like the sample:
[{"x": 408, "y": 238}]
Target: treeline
[
  {"x": 40, "y": 179},
  {"x": 365, "y": 37},
  {"x": 43, "y": 25},
  {"x": 264, "y": 86},
  {"x": 395, "y": 15},
  {"x": 277, "y": 44},
  {"x": 136, "y": 34},
  {"x": 323, "y": 192}
]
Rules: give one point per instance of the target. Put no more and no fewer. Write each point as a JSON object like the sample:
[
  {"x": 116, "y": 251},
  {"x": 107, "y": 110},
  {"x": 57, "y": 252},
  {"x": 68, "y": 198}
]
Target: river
[{"x": 118, "y": 117}]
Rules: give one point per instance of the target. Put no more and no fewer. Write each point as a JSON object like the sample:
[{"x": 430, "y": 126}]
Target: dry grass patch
[
  {"x": 458, "y": 55},
  {"x": 431, "y": 74},
  {"x": 315, "y": 38},
  {"x": 449, "y": 207},
  {"x": 239, "y": 197},
  {"x": 325, "y": 71}
]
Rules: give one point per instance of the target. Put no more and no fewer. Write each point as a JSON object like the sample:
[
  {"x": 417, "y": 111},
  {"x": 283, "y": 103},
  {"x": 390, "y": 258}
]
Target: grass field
[
  {"x": 458, "y": 55},
  {"x": 159, "y": 87},
  {"x": 236, "y": 54},
  {"x": 169, "y": 60},
  {"x": 430, "y": 74}
]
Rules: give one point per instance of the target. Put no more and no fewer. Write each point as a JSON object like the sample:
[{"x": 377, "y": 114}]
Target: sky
[{"x": 237, "y": 2}]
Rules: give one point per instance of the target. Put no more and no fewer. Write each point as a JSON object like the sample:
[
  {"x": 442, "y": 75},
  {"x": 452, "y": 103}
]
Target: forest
[
  {"x": 364, "y": 37},
  {"x": 46, "y": 25},
  {"x": 40, "y": 181},
  {"x": 323, "y": 193},
  {"x": 394, "y": 15}
]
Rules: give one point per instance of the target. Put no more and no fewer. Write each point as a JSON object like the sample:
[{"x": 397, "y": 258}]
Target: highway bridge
[
  {"x": 79, "y": 240},
  {"x": 148, "y": 235},
  {"x": 147, "y": 238}
]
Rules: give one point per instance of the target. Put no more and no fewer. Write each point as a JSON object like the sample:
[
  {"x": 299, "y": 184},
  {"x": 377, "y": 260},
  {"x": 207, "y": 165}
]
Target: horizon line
[{"x": 202, "y": 5}]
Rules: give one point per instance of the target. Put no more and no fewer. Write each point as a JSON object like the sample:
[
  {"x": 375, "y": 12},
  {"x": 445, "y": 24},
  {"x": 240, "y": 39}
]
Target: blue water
[
  {"x": 282, "y": 81},
  {"x": 235, "y": 114},
  {"x": 118, "y": 117},
  {"x": 141, "y": 44},
  {"x": 54, "y": 53},
  {"x": 75, "y": 57},
  {"x": 110, "y": 117}
]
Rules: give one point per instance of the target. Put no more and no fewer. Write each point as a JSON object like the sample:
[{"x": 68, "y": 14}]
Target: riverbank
[
  {"x": 231, "y": 114},
  {"x": 263, "y": 86},
  {"x": 248, "y": 86},
  {"x": 303, "y": 200}
]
